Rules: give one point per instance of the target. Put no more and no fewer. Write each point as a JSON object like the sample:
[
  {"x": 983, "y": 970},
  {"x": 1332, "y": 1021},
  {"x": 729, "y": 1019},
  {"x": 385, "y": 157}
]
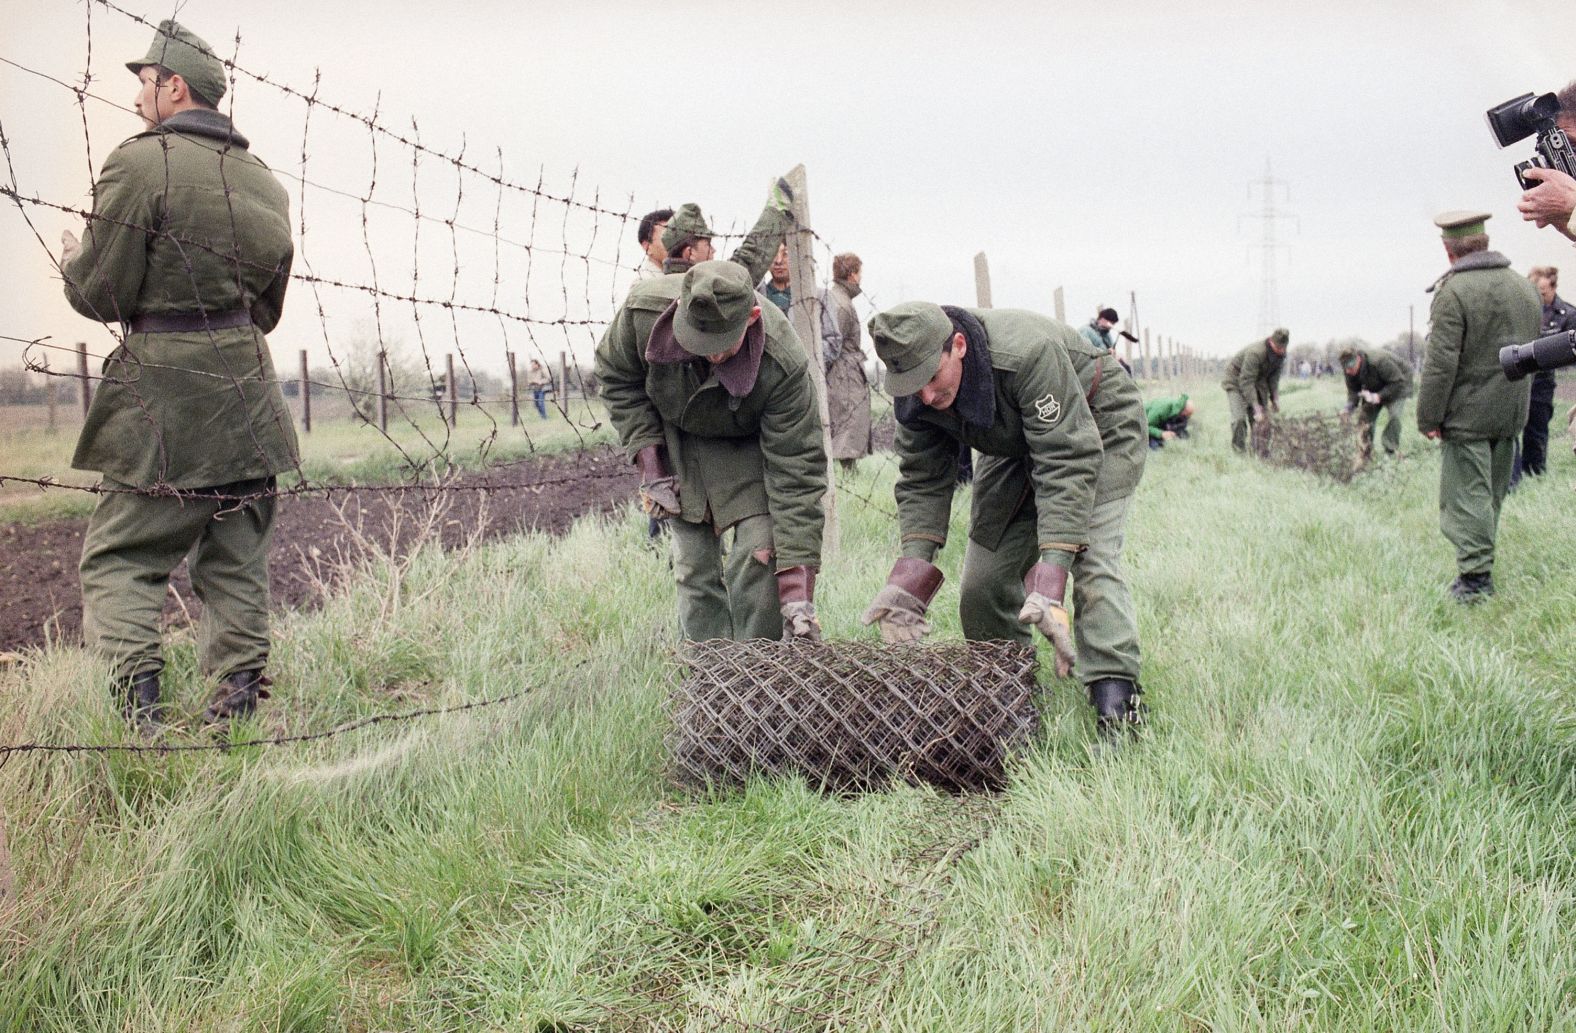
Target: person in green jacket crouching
[{"x": 1167, "y": 419}]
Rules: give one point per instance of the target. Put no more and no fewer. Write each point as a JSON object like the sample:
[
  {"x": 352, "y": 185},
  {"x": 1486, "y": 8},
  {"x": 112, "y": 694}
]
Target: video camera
[
  {"x": 1555, "y": 351},
  {"x": 1520, "y": 117}
]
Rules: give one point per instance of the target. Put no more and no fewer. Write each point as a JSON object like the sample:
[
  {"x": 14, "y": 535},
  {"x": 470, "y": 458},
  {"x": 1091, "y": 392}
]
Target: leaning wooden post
[
  {"x": 805, "y": 314},
  {"x": 514, "y": 391},
  {"x": 981, "y": 281},
  {"x": 383, "y": 391},
  {"x": 452, "y": 388},
  {"x": 306, "y": 396},
  {"x": 1061, "y": 307},
  {"x": 82, "y": 372},
  {"x": 1147, "y": 371}
]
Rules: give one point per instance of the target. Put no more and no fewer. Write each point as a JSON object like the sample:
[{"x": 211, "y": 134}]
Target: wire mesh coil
[
  {"x": 851, "y": 715},
  {"x": 1319, "y": 443}
]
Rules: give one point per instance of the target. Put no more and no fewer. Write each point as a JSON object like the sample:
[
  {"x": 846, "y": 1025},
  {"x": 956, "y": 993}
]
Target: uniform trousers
[
  {"x": 732, "y": 596},
  {"x": 1105, "y": 620},
  {"x": 134, "y": 542},
  {"x": 1473, "y": 479}
]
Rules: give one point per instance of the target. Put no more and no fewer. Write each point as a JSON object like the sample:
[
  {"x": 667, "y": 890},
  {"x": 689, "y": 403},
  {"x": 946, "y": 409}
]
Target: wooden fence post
[
  {"x": 453, "y": 388},
  {"x": 805, "y": 314},
  {"x": 563, "y": 381},
  {"x": 50, "y": 395},
  {"x": 306, "y": 396},
  {"x": 1147, "y": 372},
  {"x": 1061, "y": 307},
  {"x": 981, "y": 281},
  {"x": 383, "y": 391},
  {"x": 514, "y": 391},
  {"x": 82, "y": 372}
]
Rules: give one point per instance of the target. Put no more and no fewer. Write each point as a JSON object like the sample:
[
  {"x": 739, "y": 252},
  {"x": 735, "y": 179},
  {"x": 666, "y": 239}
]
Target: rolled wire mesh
[
  {"x": 851, "y": 715},
  {"x": 1319, "y": 443}
]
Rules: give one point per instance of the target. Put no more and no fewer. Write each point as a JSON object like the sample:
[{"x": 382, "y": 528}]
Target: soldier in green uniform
[
  {"x": 1375, "y": 381},
  {"x": 1061, "y": 430},
  {"x": 1465, "y": 402},
  {"x": 1252, "y": 384},
  {"x": 1167, "y": 419},
  {"x": 687, "y": 238},
  {"x": 188, "y": 250},
  {"x": 711, "y": 394}
]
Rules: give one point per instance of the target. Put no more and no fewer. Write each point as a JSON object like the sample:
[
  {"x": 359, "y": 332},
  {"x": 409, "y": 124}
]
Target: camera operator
[{"x": 1552, "y": 201}]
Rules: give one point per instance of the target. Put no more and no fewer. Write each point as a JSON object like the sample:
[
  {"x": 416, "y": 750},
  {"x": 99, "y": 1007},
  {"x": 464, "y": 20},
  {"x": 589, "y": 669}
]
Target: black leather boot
[
  {"x": 140, "y": 705},
  {"x": 1118, "y": 708},
  {"x": 236, "y": 696},
  {"x": 1472, "y": 588}
]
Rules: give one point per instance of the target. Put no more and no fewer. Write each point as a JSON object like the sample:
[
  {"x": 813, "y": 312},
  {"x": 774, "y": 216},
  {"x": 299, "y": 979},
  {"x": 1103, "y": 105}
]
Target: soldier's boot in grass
[
  {"x": 1118, "y": 709},
  {"x": 1472, "y": 588},
  {"x": 236, "y": 697},
  {"x": 140, "y": 704}
]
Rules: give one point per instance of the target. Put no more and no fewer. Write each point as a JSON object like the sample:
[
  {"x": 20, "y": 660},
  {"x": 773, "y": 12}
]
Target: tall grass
[{"x": 1353, "y": 809}]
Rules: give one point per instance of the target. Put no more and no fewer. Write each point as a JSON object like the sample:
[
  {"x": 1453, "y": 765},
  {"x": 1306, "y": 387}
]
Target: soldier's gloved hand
[
  {"x": 781, "y": 196},
  {"x": 69, "y": 246},
  {"x": 1258, "y": 413},
  {"x": 1046, "y": 585},
  {"x": 1371, "y": 397},
  {"x": 899, "y": 608},
  {"x": 659, "y": 490},
  {"x": 796, "y": 595}
]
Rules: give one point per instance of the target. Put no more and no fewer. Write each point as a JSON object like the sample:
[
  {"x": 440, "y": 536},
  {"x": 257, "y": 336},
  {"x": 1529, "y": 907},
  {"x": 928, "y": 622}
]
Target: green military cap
[
  {"x": 1281, "y": 336},
  {"x": 1461, "y": 224},
  {"x": 715, "y": 302},
  {"x": 186, "y": 54},
  {"x": 686, "y": 223},
  {"x": 908, "y": 339}
]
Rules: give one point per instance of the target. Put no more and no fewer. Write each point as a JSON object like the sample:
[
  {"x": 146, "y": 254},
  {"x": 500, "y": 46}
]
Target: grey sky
[{"x": 1102, "y": 147}]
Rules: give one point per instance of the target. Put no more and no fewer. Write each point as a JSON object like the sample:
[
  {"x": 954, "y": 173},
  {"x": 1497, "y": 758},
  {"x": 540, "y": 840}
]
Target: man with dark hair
[
  {"x": 1375, "y": 381},
  {"x": 778, "y": 284},
  {"x": 1060, "y": 430},
  {"x": 1553, "y": 201},
  {"x": 649, "y": 236},
  {"x": 847, "y": 387},
  {"x": 1465, "y": 402},
  {"x": 687, "y": 238},
  {"x": 1252, "y": 384},
  {"x": 711, "y": 394},
  {"x": 1558, "y": 315},
  {"x": 1098, "y": 330},
  {"x": 189, "y": 250}
]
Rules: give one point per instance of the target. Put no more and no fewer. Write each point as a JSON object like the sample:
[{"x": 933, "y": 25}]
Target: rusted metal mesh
[
  {"x": 851, "y": 715},
  {"x": 1320, "y": 443}
]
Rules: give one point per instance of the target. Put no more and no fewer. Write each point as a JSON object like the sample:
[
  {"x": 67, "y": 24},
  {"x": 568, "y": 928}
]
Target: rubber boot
[
  {"x": 140, "y": 706},
  {"x": 236, "y": 696},
  {"x": 1118, "y": 709}
]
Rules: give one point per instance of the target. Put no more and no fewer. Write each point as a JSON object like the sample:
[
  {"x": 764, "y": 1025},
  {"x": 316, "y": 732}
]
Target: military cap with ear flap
[
  {"x": 715, "y": 303},
  {"x": 686, "y": 223},
  {"x": 187, "y": 55},
  {"x": 908, "y": 339}
]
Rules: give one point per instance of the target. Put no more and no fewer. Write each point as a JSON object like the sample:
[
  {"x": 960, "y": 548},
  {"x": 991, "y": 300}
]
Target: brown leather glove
[
  {"x": 796, "y": 596},
  {"x": 900, "y": 606},
  {"x": 659, "y": 489},
  {"x": 1046, "y": 586}
]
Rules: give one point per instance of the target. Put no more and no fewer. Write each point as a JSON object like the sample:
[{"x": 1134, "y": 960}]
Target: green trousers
[
  {"x": 1241, "y": 419},
  {"x": 1368, "y": 416},
  {"x": 133, "y": 544},
  {"x": 1473, "y": 479},
  {"x": 731, "y": 596},
  {"x": 1105, "y": 621}
]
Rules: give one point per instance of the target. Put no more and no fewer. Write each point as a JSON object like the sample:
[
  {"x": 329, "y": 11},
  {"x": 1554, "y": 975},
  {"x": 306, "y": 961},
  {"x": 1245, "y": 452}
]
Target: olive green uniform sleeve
[
  {"x": 1446, "y": 332},
  {"x": 621, "y": 371},
  {"x": 1248, "y": 375},
  {"x": 795, "y": 469},
  {"x": 760, "y": 246},
  {"x": 104, "y": 278},
  {"x": 1273, "y": 383},
  {"x": 1064, "y": 452},
  {"x": 1396, "y": 378},
  {"x": 927, "y": 475}
]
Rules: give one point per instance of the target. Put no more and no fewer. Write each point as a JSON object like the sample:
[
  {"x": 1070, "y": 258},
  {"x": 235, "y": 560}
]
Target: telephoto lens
[{"x": 1555, "y": 351}]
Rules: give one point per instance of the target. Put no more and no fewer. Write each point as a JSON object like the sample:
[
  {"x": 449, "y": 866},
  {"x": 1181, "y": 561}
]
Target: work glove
[
  {"x": 900, "y": 606},
  {"x": 1371, "y": 397},
  {"x": 659, "y": 490},
  {"x": 1045, "y": 585},
  {"x": 1258, "y": 413},
  {"x": 795, "y": 596},
  {"x": 781, "y": 196}
]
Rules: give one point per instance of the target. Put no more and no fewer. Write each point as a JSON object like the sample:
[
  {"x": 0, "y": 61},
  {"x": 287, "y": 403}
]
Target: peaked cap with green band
[
  {"x": 186, "y": 54},
  {"x": 715, "y": 302},
  {"x": 908, "y": 338},
  {"x": 686, "y": 223},
  {"x": 1454, "y": 225}
]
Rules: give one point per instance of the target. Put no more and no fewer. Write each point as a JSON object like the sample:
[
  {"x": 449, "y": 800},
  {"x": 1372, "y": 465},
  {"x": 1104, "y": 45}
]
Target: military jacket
[
  {"x": 1384, "y": 374},
  {"x": 1254, "y": 373},
  {"x": 186, "y": 220},
  {"x": 1157, "y": 411},
  {"x": 1479, "y": 306},
  {"x": 759, "y": 247},
  {"x": 1065, "y": 431},
  {"x": 735, "y": 456}
]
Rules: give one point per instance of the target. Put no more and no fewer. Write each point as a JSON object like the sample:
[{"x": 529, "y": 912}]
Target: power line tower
[{"x": 1269, "y": 216}]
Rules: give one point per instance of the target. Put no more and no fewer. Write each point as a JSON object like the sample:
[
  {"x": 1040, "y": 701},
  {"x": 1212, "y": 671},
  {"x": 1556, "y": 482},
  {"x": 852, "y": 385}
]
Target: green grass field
[{"x": 1354, "y": 809}]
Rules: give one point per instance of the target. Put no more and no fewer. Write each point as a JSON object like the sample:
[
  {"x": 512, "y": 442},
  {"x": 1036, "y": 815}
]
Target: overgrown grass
[{"x": 1353, "y": 810}]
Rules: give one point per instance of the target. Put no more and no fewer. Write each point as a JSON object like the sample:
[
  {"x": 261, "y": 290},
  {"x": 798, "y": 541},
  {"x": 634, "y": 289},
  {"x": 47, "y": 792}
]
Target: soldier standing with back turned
[
  {"x": 189, "y": 250},
  {"x": 1465, "y": 402}
]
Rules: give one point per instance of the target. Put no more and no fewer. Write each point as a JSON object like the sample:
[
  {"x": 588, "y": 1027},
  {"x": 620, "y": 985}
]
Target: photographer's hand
[{"x": 1550, "y": 202}]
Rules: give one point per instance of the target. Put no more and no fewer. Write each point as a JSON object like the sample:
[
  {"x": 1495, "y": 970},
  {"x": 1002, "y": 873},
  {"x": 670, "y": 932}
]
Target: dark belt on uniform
[{"x": 188, "y": 322}]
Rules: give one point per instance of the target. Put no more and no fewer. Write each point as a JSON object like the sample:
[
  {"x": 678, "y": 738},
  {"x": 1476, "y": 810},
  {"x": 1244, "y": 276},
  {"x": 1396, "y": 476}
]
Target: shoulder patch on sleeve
[{"x": 1048, "y": 409}]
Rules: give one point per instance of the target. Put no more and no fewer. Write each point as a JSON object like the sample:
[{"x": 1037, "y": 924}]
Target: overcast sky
[{"x": 1107, "y": 148}]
